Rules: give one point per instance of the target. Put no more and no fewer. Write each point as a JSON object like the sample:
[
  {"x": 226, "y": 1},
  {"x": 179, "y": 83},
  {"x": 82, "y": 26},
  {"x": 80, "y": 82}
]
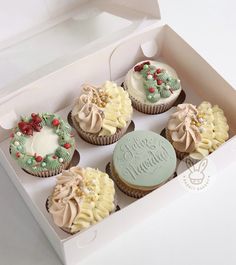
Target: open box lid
[{"x": 37, "y": 38}]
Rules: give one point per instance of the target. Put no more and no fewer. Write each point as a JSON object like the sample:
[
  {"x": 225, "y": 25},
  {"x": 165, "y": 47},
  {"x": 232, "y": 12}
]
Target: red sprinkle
[
  {"x": 67, "y": 145},
  {"x": 12, "y": 135},
  {"x": 55, "y": 122},
  {"x": 151, "y": 89},
  {"x": 158, "y": 71},
  {"x": 17, "y": 154},
  {"x": 159, "y": 82},
  {"x": 54, "y": 157},
  {"x": 171, "y": 91},
  {"x": 38, "y": 158}
]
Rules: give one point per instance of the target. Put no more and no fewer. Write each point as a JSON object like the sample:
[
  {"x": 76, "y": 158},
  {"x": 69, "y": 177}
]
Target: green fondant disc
[{"x": 144, "y": 159}]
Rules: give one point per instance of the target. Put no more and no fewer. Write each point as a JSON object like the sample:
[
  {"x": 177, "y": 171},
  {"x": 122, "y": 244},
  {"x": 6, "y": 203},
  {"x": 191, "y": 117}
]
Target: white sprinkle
[
  {"x": 167, "y": 87},
  {"x": 149, "y": 76},
  {"x": 201, "y": 120},
  {"x": 178, "y": 80},
  {"x": 18, "y": 133},
  {"x": 61, "y": 160},
  {"x": 16, "y": 143},
  {"x": 201, "y": 129}
]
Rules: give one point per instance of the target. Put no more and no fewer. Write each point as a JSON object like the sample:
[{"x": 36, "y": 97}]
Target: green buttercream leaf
[{"x": 63, "y": 153}]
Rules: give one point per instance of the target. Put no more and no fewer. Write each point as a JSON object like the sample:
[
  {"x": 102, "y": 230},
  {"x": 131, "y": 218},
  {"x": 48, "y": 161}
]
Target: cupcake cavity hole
[
  {"x": 163, "y": 133},
  {"x": 131, "y": 127},
  {"x": 69, "y": 119},
  {"x": 75, "y": 159},
  {"x": 181, "y": 98}
]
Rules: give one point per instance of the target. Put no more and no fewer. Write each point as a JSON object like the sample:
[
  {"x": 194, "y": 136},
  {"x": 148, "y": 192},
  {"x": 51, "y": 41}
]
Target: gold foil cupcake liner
[{"x": 99, "y": 140}]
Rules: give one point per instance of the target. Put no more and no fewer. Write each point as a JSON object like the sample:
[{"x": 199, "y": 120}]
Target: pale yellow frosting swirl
[
  {"x": 214, "y": 130},
  {"x": 81, "y": 197},
  {"x": 118, "y": 110},
  {"x": 183, "y": 133},
  {"x": 99, "y": 117}
]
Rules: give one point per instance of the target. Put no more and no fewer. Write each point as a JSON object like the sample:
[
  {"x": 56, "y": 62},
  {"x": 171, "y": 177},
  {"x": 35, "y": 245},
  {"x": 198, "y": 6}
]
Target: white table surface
[{"x": 196, "y": 230}]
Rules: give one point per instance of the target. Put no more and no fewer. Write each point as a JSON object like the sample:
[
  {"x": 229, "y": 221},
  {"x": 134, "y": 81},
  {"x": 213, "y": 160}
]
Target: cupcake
[
  {"x": 142, "y": 161},
  {"x": 42, "y": 144},
  {"x": 197, "y": 131},
  {"x": 152, "y": 86},
  {"x": 81, "y": 197},
  {"x": 101, "y": 115}
]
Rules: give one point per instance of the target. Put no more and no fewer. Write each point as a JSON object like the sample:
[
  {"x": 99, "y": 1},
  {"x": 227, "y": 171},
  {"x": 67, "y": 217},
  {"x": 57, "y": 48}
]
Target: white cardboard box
[{"x": 53, "y": 87}]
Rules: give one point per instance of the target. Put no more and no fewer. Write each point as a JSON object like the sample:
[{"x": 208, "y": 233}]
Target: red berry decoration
[
  {"x": 151, "y": 89},
  {"x": 159, "y": 82},
  {"x": 38, "y": 158},
  {"x": 67, "y": 145},
  {"x": 25, "y": 128},
  {"x": 158, "y": 71},
  {"x": 17, "y": 154},
  {"x": 55, "y": 122}
]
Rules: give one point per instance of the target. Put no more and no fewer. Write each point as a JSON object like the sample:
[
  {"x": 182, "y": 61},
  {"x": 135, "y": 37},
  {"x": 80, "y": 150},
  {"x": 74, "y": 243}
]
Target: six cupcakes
[
  {"x": 101, "y": 115},
  {"x": 152, "y": 86},
  {"x": 43, "y": 145}
]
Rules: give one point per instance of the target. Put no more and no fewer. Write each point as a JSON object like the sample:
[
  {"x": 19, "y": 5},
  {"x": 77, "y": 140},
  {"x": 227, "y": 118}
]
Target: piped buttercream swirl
[
  {"x": 183, "y": 133},
  {"x": 102, "y": 109},
  {"x": 81, "y": 197}
]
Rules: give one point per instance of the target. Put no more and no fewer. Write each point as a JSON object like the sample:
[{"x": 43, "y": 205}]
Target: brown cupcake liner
[
  {"x": 48, "y": 173},
  {"x": 180, "y": 155},
  {"x": 99, "y": 140},
  {"x": 150, "y": 109},
  {"x": 132, "y": 192}
]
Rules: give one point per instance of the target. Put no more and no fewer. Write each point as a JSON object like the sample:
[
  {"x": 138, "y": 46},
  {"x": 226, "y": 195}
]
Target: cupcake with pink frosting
[
  {"x": 101, "y": 115},
  {"x": 197, "y": 131}
]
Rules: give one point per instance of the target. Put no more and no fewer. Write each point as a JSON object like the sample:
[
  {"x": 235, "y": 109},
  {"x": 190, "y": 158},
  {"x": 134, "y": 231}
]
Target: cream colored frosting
[
  {"x": 134, "y": 85},
  {"x": 214, "y": 130},
  {"x": 42, "y": 143},
  {"x": 81, "y": 197},
  {"x": 118, "y": 110},
  {"x": 183, "y": 133},
  {"x": 94, "y": 117}
]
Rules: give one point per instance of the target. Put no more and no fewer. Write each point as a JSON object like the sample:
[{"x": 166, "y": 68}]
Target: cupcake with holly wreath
[
  {"x": 101, "y": 115},
  {"x": 42, "y": 144},
  {"x": 152, "y": 86}
]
